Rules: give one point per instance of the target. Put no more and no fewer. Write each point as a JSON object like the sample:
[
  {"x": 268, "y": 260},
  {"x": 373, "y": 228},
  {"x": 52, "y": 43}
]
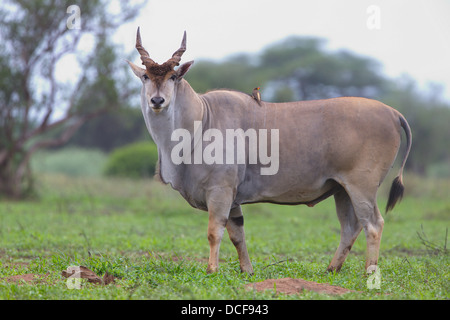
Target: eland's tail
[{"x": 397, "y": 187}]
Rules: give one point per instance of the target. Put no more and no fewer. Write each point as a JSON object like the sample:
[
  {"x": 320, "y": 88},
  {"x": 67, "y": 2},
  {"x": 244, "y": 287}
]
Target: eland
[{"x": 340, "y": 147}]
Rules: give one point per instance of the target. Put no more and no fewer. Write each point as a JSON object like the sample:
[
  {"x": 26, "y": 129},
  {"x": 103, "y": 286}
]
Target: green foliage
[
  {"x": 298, "y": 64},
  {"x": 235, "y": 73},
  {"x": 111, "y": 130},
  {"x": 314, "y": 73},
  {"x": 429, "y": 118},
  {"x": 69, "y": 161},
  {"x": 284, "y": 94},
  {"x": 137, "y": 160}
]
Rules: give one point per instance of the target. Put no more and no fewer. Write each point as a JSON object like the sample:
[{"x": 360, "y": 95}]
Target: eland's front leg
[
  {"x": 235, "y": 228},
  {"x": 219, "y": 204}
]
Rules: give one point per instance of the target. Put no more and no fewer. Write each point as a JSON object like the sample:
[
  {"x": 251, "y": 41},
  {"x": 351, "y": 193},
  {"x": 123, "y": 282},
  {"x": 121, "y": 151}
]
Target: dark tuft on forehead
[{"x": 159, "y": 70}]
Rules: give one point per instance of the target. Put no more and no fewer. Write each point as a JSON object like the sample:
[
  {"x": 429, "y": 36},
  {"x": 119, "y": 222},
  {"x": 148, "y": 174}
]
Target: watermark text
[
  {"x": 228, "y": 149},
  {"x": 74, "y": 20}
]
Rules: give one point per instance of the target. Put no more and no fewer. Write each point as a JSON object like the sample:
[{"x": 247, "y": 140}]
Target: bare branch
[{"x": 431, "y": 247}]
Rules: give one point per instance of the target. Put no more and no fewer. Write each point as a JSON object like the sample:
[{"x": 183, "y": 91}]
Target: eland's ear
[
  {"x": 138, "y": 71},
  {"x": 184, "y": 68}
]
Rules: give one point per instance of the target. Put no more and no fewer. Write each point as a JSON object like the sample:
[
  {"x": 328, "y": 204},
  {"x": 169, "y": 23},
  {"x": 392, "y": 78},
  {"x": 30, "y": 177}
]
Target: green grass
[
  {"x": 148, "y": 236},
  {"x": 70, "y": 161}
]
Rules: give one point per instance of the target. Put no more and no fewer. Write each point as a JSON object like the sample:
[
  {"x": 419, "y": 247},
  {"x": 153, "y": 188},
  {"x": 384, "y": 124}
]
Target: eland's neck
[{"x": 185, "y": 108}]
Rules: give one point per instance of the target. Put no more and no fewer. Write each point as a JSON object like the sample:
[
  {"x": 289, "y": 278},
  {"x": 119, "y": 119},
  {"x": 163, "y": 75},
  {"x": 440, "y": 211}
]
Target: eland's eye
[
  {"x": 173, "y": 77},
  {"x": 145, "y": 77}
]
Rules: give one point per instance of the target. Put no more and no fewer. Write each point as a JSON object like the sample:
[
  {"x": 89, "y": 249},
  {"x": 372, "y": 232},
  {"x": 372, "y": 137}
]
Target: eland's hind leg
[
  {"x": 369, "y": 217},
  {"x": 373, "y": 230},
  {"x": 235, "y": 228},
  {"x": 350, "y": 229}
]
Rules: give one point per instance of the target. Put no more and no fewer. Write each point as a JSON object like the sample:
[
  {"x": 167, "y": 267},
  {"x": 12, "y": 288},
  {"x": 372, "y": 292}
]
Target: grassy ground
[{"x": 148, "y": 236}]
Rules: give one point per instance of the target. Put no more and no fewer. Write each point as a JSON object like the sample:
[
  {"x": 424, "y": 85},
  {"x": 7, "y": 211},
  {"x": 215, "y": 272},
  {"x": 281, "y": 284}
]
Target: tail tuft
[
  {"x": 397, "y": 187},
  {"x": 396, "y": 193}
]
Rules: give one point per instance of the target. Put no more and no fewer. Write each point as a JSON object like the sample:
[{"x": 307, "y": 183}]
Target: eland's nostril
[{"x": 157, "y": 101}]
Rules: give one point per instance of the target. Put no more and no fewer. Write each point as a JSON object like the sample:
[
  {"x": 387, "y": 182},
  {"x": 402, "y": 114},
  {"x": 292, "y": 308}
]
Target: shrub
[
  {"x": 136, "y": 160},
  {"x": 70, "y": 161}
]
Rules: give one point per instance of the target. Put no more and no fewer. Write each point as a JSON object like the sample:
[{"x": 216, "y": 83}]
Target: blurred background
[{"x": 70, "y": 105}]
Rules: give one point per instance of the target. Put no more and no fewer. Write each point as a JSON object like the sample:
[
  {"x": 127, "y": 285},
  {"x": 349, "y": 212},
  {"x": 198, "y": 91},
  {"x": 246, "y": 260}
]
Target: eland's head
[{"x": 159, "y": 80}]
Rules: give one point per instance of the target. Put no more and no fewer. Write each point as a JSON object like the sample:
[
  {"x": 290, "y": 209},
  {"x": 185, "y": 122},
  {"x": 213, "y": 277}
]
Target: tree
[
  {"x": 428, "y": 117},
  {"x": 296, "y": 68},
  {"x": 236, "y": 72},
  {"x": 303, "y": 65},
  {"x": 35, "y": 37}
]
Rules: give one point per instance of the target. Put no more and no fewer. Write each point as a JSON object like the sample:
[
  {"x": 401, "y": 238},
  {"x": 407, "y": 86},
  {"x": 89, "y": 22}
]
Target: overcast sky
[{"x": 407, "y": 36}]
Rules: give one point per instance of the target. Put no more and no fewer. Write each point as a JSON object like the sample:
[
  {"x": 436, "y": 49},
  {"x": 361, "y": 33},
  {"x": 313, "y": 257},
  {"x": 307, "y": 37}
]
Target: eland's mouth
[{"x": 157, "y": 108}]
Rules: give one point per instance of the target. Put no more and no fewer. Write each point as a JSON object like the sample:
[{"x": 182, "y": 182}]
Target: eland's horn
[
  {"x": 176, "y": 57},
  {"x": 145, "y": 57}
]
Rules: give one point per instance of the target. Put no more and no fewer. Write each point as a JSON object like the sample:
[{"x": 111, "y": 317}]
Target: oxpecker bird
[{"x": 256, "y": 95}]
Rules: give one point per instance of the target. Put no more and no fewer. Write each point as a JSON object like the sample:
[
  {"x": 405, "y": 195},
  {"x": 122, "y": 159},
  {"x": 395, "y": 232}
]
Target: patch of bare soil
[
  {"x": 295, "y": 286},
  {"x": 76, "y": 272},
  {"x": 27, "y": 278}
]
